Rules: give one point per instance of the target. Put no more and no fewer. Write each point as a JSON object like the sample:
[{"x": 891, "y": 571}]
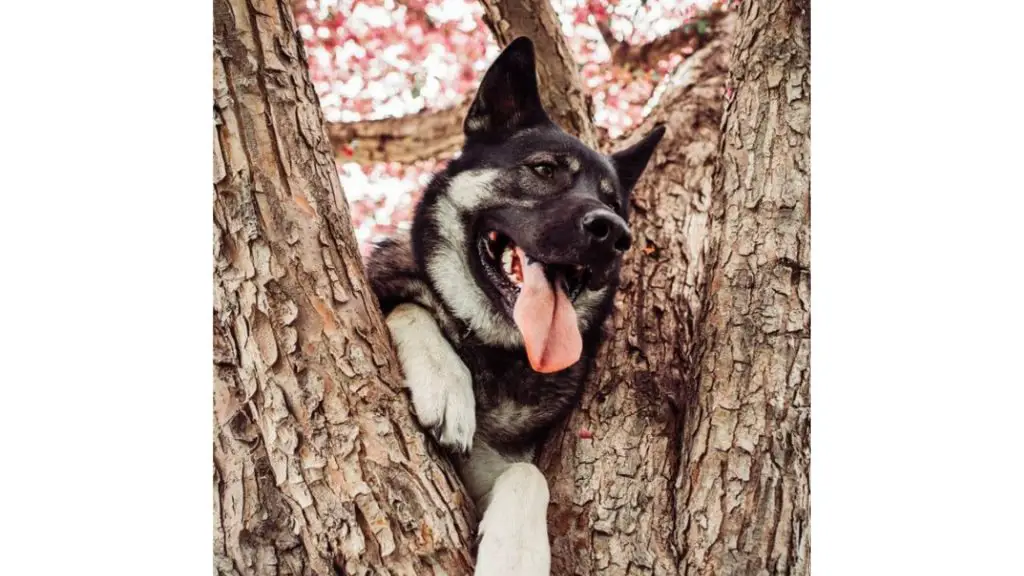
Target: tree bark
[
  {"x": 562, "y": 92},
  {"x": 406, "y": 139},
  {"x": 690, "y": 451},
  {"x": 614, "y": 496},
  {"x": 745, "y": 508},
  {"x": 319, "y": 467}
]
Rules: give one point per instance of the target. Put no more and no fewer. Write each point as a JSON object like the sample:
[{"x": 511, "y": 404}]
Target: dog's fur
[{"x": 462, "y": 355}]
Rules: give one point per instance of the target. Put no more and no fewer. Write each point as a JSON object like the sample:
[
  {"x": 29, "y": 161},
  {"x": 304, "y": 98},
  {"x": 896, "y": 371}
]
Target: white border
[
  {"x": 105, "y": 232},
  {"x": 916, "y": 314}
]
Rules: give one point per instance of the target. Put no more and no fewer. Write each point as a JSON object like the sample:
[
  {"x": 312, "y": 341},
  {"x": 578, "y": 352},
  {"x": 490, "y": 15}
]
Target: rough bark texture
[
  {"x": 697, "y": 453},
  {"x": 423, "y": 136},
  {"x": 319, "y": 467},
  {"x": 744, "y": 508},
  {"x": 561, "y": 85},
  {"x": 614, "y": 496}
]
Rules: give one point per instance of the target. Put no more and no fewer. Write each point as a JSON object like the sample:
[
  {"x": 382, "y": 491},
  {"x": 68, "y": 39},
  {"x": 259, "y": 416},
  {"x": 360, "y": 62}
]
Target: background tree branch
[
  {"x": 438, "y": 133},
  {"x": 694, "y": 34},
  {"x": 562, "y": 90},
  {"x": 423, "y": 136}
]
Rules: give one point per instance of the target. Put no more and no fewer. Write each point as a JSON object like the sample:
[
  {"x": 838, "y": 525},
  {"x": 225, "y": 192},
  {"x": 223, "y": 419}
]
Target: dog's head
[{"x": 522, "y": 236}]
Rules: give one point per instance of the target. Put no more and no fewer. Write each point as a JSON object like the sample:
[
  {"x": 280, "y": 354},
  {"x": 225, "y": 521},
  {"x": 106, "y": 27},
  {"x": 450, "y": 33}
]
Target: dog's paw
[
  {"x": 439, "y": 383},
  {"x": 442, "y": 396},
  {"x": 513, "y": 531}
]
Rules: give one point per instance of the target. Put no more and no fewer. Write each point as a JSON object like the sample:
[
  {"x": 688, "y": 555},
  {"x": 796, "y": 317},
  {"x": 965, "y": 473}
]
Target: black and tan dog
[{"x": 497, "y": 300}]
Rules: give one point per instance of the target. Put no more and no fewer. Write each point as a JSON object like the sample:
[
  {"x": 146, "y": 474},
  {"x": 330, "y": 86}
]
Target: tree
[
  {"x": 747, "y": 503},
  {"x": 689, "y": 452},
  {"x": 694, "y": 452},
  {"x": 615, "y": 490},
  {"x": 318, "y": 466}
]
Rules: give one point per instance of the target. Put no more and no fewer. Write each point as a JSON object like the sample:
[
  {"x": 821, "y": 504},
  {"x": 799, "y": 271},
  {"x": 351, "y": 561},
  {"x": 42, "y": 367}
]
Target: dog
[{"x": 496, "y": 302}]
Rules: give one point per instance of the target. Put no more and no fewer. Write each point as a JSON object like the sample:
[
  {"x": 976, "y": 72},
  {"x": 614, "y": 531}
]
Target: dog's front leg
[
  {"x": 513, "y": 496},
  {"x": 440, "y": 384},
  {"x": 514, "y": 528}
]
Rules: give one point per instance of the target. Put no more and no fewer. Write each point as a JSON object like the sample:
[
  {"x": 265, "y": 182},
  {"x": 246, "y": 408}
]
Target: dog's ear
[
  {"x": 631, "y": 162},
  {"x": 508, "y": 99}
]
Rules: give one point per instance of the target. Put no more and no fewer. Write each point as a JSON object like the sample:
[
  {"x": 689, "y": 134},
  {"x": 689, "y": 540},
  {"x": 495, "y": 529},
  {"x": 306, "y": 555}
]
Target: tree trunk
[
  {"x": 745, "y": 508},
  {"x": 614, "y": 495},
  {"x": 689, "y": 453},
  {"x": 561, "y": 87},
  {"x": 319, "y": 467}
]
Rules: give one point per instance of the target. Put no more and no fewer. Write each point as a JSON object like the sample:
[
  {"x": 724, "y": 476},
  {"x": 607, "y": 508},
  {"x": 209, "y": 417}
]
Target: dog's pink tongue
[{"x": 547, "y": 320}]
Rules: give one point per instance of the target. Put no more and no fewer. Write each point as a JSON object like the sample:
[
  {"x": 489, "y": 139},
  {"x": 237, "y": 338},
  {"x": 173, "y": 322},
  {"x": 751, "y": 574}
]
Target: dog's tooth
[{"x": 506, "y": 261}]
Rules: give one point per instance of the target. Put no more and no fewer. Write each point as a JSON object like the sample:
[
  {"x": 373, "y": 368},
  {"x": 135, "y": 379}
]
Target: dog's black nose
[{"x": 607, "y": 230}]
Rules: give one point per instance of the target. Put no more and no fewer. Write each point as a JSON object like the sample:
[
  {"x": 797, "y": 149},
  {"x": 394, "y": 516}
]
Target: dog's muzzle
[{"x": 570, "y": 232}]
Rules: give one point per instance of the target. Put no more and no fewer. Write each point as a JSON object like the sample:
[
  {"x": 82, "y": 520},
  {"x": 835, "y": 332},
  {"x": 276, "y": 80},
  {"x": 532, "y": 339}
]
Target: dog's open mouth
[
  {"x": 504, "y": 266},
  {"x": 540, "y": 297}
]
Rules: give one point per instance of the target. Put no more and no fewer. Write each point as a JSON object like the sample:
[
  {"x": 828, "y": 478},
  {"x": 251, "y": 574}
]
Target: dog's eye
[{"x": 543, "y": 170}]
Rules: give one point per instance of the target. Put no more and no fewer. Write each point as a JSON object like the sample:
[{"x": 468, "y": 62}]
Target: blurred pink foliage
[{"x": 373, "y": 59}]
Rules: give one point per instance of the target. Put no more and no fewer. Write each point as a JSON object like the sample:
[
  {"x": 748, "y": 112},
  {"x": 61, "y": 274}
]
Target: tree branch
[
  {"x": 694, "y": 34},
  {"x": 438, "y": 133},
  {"x": 422, "y": 136},
  {"x": 560, "y": 84}
]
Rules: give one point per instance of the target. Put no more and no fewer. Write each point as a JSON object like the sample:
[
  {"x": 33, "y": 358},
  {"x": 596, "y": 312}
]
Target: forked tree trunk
[{"x": 319, "y": 467}]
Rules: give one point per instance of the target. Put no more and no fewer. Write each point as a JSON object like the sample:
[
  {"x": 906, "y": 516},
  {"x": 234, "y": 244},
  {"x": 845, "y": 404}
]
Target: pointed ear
[
  {"x": 630, "y": 163},
  {"x": 508, "y": 99}
]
